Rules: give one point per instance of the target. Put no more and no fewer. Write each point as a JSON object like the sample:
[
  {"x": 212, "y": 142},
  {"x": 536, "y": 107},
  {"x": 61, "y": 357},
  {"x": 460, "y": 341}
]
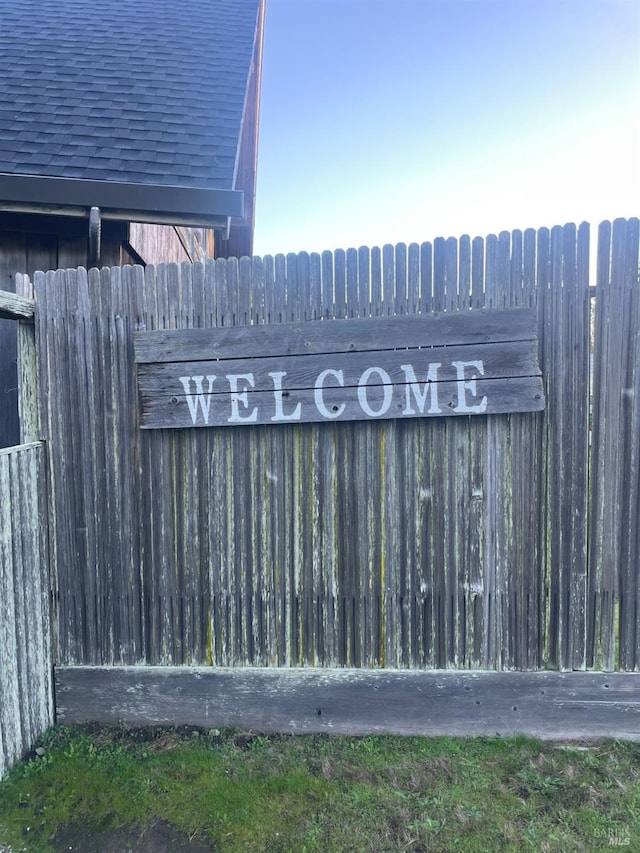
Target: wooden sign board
[{"x": 464, "y": 363}]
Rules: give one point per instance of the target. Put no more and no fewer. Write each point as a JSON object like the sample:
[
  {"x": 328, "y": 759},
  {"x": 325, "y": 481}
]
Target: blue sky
[{"x": 387, "y": 121}]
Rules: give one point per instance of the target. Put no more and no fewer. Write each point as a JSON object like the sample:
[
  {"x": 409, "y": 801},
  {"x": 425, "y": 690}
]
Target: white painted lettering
[
  {"x": 240, "y": 396},
  {"x": 199, "y": 398},
  {"x": 469, "y": 385},
  {"x": 387, "y": 391},
  {"x": 318, "y": 395},
  {"x": 375, "y": 393},
  {"x": 278, "y": 393},
  {"x": 420, "y": 396}
]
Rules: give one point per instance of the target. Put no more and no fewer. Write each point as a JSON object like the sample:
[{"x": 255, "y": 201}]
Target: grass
[{"x": 235, "y": 791}]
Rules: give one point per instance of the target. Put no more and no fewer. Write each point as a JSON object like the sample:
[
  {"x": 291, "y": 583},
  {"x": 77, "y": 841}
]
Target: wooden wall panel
[{"x": 155, "y": 244}]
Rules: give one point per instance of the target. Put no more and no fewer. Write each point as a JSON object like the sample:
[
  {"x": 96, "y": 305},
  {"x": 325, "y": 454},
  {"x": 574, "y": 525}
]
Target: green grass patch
[{"x": 234, "y": 791}]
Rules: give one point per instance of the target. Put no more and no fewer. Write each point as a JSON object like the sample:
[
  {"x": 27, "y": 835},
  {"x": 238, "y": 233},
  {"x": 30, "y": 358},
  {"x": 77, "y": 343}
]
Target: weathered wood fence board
[
  {"x": 26, "y": 690},
  {"x": 615, "y": 516},
  {"x": 14, "y": 307},
  {"x": 375, "y": 367},
  {"x": 566, "y": 343},
  {"x": 285, "y": 391},
  {"x": 548, "y": 705},
  {"x": 440, "y": 542},
  {"x": 307, "y": 338}
]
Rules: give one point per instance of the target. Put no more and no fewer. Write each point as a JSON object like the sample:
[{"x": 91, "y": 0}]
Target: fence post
[{"x": 27, "y": 369}]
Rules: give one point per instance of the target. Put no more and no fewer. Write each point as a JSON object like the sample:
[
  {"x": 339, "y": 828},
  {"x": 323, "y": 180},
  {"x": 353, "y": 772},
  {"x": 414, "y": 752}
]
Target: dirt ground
[{"x": 160, "y": 837}]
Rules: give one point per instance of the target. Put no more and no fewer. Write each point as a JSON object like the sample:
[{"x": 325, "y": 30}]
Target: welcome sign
[{"x": 464, "y": 363}]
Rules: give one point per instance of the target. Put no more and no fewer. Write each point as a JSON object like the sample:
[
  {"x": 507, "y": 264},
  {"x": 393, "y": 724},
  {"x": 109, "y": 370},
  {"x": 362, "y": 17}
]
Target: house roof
[{"x": 148, "y": 93}]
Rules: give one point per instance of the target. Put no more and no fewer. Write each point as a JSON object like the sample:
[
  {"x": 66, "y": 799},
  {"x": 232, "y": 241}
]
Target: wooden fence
[
  {"x": 445, "y": 542},
  {"x": 26, "y": 691}
]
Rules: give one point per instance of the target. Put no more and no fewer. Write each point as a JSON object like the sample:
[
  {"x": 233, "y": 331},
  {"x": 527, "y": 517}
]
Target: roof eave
[{"x": 162, "y": 205}]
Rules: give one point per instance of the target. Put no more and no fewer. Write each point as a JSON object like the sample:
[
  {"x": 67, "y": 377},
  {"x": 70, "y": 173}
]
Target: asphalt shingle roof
[{"x": 147, "y": 91}]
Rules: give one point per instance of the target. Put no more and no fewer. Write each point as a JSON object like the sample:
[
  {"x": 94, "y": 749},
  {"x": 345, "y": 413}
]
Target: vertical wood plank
[
  {"x": 318, "y": 308},
  {"x": 388, "y": 279},
  {"x": 401, "y": 278},
  {"x": 334, "y": 283},
  {"x": 376, "y": 282},
  {"x": 413, "y": 279},
  {"x": 28, "y": 408},
  {"x": 353, "y": 301},
  {"x": 364, "y": 282},
  {"x": 605, "y": 462},
  {"x": 630, "y": 485},
  {"x": 426, "y": 276},
  {"x": 577, "y": 244}
]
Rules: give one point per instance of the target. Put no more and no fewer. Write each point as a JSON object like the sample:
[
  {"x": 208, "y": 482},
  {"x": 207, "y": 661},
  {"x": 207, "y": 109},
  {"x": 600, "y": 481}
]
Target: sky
[{"x": 386, "y": 121}]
